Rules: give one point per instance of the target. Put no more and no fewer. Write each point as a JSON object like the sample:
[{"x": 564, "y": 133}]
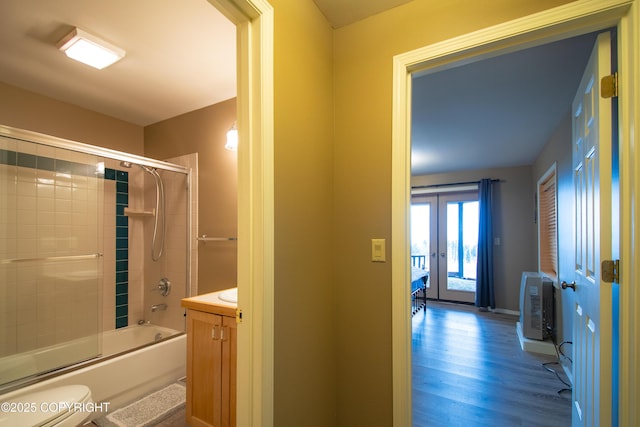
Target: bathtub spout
[{"x": 158, "y": 307}]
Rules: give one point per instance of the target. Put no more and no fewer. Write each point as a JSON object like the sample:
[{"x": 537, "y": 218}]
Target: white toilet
[{"x": 49, "y": 408}]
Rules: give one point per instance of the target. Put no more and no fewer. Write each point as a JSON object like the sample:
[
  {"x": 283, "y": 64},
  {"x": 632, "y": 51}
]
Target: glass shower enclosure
[{"x": 81, "y": 228}]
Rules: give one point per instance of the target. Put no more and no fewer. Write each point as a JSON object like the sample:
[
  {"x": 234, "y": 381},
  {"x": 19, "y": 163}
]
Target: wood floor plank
[{"x": 468, "y": 370}]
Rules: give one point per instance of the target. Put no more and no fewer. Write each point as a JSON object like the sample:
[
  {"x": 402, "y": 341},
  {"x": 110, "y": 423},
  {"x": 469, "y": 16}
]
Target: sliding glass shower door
[{"x": 51, "y": 247}]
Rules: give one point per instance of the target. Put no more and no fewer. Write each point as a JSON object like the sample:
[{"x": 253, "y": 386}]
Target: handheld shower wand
[{"x": 156, "y": 250}]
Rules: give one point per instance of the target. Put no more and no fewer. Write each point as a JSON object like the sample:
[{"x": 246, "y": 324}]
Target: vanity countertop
[{"x": 220, "y": 302}]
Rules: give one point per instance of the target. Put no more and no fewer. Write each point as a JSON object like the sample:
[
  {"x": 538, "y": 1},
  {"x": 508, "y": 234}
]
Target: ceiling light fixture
[
  {"x": 232, "y": 138},
  {"x": 89, "y": 49}
]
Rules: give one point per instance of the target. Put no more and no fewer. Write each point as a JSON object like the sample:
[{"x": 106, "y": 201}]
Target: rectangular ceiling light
[{"x": 89, "y": 49}]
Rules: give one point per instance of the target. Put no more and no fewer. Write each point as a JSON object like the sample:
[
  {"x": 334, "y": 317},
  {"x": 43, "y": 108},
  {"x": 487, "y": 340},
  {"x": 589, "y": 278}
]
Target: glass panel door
[
  {"x": 424, "y": 232},
  {"x": 444, "y": 241},
  {"x": 458, "y": 246}
]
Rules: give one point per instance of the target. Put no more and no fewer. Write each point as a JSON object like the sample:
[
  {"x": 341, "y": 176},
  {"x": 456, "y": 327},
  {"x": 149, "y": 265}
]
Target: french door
[{"x": 444, "y": 228}]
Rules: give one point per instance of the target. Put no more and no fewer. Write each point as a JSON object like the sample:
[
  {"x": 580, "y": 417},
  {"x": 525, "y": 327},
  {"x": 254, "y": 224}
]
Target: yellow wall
[
  {"x": 305, "y": 322},
  {"x": 363, "y": 54},
  {"x": 27, "y": 110},
  {"x": 204, "y": 132}
]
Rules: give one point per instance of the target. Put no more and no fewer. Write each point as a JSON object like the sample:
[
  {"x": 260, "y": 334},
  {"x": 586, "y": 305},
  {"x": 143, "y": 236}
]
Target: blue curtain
[{"x": 484, "y": 284}]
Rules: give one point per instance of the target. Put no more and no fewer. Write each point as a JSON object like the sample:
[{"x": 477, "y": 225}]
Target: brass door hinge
[
  {"x": 610, "y": 271},
  {"x": 609, "y": 86},
  {"x": 238, "y": 315}
]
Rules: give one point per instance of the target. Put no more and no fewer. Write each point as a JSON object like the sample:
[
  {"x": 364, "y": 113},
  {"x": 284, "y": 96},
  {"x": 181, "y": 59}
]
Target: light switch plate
[{"x": 378, "y": 250}]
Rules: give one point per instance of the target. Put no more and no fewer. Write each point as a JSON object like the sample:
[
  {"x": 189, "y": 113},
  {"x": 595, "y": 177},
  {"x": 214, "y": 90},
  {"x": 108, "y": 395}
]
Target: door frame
[
  {"x": 254, "y": 20},
  {"x": 575, "y": 18}
]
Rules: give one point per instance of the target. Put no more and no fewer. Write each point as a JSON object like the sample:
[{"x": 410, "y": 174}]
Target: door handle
[
  {"x": 566, "y": 285},
  {"x": 443, "y": 254}
]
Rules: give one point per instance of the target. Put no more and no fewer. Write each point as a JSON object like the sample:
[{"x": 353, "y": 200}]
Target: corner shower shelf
[{"x": 136, "y": 213}]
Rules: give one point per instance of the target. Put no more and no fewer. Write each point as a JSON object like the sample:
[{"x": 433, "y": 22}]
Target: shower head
[{"x": 128, "y": 165}]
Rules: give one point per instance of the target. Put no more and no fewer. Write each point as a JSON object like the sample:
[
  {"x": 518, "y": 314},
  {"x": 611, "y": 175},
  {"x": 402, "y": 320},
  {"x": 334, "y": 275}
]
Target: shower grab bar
[
  {"x": 52, "y": 258},
  {"x": 204, "y": 238}
]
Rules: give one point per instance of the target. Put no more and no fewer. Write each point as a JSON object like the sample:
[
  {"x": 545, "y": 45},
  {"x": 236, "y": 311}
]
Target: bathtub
[{"x": 120, "y": 378}]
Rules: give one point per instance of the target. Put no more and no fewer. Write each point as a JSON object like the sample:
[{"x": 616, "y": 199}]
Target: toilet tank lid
[{"x": 44, "y": 406}]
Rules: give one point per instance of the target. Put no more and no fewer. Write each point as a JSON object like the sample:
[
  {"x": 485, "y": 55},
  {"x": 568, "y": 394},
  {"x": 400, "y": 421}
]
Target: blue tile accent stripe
[
  {"x": 122, "y": 245},
  {"x": 15, "y": 158}
]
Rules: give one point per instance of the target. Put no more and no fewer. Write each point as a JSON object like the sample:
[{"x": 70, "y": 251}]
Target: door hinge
[
  {"x": 609, "y": 86},
  {"x": 611, "y": 271},
  {"x": 238, "y": 315}
]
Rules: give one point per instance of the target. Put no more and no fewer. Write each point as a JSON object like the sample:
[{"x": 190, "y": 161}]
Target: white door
[{"x": 592, "y": 183}]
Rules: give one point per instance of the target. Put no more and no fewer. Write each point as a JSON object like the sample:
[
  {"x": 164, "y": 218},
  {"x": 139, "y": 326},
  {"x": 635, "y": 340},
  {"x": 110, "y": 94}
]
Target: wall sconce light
[
  {"x": 89, "y": 49},
  {"x": 232, "y": 138}
]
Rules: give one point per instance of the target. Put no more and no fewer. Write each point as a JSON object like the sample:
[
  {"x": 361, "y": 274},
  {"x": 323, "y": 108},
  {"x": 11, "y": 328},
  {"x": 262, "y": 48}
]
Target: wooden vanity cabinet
[{"x": 211, "y": 369}]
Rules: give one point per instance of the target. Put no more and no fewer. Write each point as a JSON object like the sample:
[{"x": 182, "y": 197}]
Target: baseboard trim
[{"x": 505, "y": 311}]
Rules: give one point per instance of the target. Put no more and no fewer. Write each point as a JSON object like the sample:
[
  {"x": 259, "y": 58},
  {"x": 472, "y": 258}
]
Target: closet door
[{"x": 458, "y": 219}]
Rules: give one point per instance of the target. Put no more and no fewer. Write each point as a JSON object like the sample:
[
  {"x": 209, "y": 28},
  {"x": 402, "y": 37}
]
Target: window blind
[{"x": 548, "y": 226}]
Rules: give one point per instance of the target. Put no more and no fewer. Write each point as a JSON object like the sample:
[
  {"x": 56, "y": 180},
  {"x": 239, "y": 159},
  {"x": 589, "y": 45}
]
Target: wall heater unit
[{"x": 536, "y": 306}]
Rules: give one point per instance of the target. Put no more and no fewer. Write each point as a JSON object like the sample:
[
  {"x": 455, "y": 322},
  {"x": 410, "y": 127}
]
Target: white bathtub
[
  {"x": 120, "y": 340},
  {"x": 122, "y": 378}
]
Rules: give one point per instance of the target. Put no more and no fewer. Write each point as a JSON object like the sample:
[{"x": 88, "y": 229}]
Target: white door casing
[
  {"x": 591, "y": 141},
  {"x": 254, "y": 20}
]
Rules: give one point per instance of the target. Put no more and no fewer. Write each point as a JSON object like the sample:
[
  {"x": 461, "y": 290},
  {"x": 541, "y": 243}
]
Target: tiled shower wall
[
  {"x": 173, "y": 263},
  {"x": 51, "y": 207}
]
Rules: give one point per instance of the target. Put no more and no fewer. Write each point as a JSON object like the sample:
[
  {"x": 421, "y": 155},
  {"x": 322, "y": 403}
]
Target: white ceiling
[
  {"x": 499, "y": 112},
  {"x": 181, "y": 57}
]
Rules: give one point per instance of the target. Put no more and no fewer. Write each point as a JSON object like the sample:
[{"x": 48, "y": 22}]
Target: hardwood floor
[{"x": 468, "y": 370}]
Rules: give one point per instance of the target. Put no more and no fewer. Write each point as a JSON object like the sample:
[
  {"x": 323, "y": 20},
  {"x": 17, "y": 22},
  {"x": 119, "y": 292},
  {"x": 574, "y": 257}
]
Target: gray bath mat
[{"x": 148, "y": 410}]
